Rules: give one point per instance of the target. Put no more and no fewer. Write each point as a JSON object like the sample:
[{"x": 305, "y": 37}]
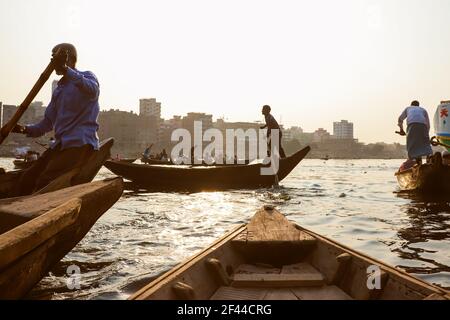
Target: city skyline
[
  {"x": 144, "y": 111},
  {"x": 362, "y": 60}
]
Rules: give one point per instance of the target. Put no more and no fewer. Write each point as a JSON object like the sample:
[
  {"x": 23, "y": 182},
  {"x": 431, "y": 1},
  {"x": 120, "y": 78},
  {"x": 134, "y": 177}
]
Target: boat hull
[
  {"x": 31, "y": 242},
  {"x": 9, "y": 180},
  {"x": 203, "y": 177},
  {"x": 425, "y": 178}
]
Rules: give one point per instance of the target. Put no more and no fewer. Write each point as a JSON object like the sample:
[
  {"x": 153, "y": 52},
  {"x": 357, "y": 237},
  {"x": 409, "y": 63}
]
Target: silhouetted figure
[{"x": 271, "y": 124}]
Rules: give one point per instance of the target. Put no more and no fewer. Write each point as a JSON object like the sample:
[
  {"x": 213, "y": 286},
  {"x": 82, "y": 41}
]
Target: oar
[{"x": 7, "y": 128}]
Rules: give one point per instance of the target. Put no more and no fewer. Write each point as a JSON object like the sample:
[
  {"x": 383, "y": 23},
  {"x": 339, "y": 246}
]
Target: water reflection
[{"x": 426, "y": 238}]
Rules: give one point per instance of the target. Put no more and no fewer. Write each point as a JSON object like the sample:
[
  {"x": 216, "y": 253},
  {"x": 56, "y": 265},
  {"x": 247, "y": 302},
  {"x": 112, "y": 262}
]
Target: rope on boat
[{"x": 435, "y": 142}]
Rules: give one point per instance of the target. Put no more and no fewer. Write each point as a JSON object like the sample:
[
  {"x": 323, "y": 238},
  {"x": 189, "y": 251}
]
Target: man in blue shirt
[
  {"x": 72, "y": 113},
  {"x": 418, "y": 138}
]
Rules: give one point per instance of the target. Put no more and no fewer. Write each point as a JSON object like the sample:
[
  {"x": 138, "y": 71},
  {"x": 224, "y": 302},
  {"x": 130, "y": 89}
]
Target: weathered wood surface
[
  {"x": 53, "y": 224},
  {"x": 26, "y": 237},
  {"x": 230, "y": 293},
  {"x": 269, "y": 225},
  {"x": 321, "y": 293}
]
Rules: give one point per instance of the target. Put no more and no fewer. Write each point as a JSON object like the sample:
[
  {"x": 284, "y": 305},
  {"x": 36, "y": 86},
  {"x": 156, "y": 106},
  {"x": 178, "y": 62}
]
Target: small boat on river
[
  {"x": 200, "y": 178},
  {"x": 88, "y": 171},
  {"x": 271, "y": 258},
  {"x": 431, "y": 177}
]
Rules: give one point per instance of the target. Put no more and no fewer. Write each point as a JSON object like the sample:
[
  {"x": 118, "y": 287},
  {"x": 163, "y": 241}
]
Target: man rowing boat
[
  {"x": 272, "y": 124},
  {"x": 72, "y": 113},
  {"x": 418, "y": 127}
]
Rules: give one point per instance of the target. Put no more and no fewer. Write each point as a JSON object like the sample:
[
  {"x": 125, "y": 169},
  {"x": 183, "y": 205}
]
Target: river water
[{"x": 355, "y": 202}]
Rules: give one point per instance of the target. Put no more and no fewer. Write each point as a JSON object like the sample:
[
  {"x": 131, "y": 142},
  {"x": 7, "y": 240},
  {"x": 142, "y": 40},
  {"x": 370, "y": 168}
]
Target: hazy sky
[{"x": 313, "y": 61}]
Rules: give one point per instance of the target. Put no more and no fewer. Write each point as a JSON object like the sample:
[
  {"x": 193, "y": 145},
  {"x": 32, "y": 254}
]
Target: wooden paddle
[{"x": 8, "y": 127}]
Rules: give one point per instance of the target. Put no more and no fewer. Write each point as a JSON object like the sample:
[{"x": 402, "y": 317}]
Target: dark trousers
[
  {"x": 269, "y": 145},
  {"x": 52, "y": 164}
]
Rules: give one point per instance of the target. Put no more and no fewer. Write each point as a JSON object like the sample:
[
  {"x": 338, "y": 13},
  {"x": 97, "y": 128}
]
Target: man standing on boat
[
  {"x": 72, "y": 113},
  {"x": 272, "y": 124},
  {"x": 418, "y": 127}
]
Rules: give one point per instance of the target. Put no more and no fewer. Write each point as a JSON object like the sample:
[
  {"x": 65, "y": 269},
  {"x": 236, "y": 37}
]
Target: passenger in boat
[
  {"x": 146, "y": 153},
  {"x": 418, "y": 127},
  {"x": 164, "y": 156},
  {"x": 271, "y": 124},
  {"x": 72, "y": 113}
]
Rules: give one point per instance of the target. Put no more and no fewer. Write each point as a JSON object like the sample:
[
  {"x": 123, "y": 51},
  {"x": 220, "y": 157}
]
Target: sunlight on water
[{"x": 352, "y": 201}]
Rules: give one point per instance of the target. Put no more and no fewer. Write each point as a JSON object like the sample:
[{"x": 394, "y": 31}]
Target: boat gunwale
[
  {"x": 176, "y": 271},
  {"x": 383, "y": 265},
  {"x": 173, "y": 272}
]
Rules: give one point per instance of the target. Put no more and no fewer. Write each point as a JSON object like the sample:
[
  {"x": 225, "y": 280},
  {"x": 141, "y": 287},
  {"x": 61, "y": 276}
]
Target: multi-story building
[
  {"x": 165, "y": 132},
  {"x": 150, "y": 107},
  {"x": 343, "y": 130},
  {"x": 321, "y": 135},
  {"x": 192, "y": 117},
  {"x": 132, "y": 133},
  {"x": 247, "y": 141}
]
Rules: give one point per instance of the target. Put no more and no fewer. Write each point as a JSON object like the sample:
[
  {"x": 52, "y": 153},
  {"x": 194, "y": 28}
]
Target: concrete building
[
  {"x": 166, "y": 128},
  {"x": 343, "y": 130},
  {"x": 249, "y": 142},
  {"x": 321, "y": 135},
  {"x": 132, "y": 133},
  {"x": 150, "y": 107},
  {"x": 189, "y": 120}
]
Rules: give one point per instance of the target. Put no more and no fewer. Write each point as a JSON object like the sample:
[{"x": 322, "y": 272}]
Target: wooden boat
[
  {"x": 273, "y": 259},
  {"x": 432, "y": 177},
  {"x": 204, "y": 177},
  {"x": 89, "y": 170},
  {"x": 128, "y": 160},
  {"x": 156, "y": 161},
  {"x": 169, "y": 162},
  {"x": 38, "y": 231},
  {"x": 22, "y": 164}
]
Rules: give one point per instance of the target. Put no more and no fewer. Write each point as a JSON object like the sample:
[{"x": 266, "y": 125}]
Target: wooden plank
[
  {"x": 15, "y": 211},
  {"x": 300, "y": 268},
  {"x": 280, "y": 294},
  {"x": 435, "y": 296},
  {"x": 61, "y": 182},
  {"x": 321, "y": 293},
  {"x": 256, "y": 269},
  {"x": 26, "y": 237},
  {"x": 230, "y": 293},
  {"x": 269, "y": 225},
  {"x": 277, "y": 280}
]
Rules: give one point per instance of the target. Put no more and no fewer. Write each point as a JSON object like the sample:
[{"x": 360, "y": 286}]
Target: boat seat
[
  {"x": 230, "y": 293},
  {"x": 321, "y": 293},
  {"x": 295, "y": 293},
  {"x": 269, "y": 237},
  {"x": 296, "y": 275}
]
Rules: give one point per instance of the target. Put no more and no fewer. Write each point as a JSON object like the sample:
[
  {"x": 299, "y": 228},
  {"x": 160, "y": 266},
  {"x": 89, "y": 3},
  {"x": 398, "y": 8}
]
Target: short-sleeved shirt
[{"x": 414, "y": 114}]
